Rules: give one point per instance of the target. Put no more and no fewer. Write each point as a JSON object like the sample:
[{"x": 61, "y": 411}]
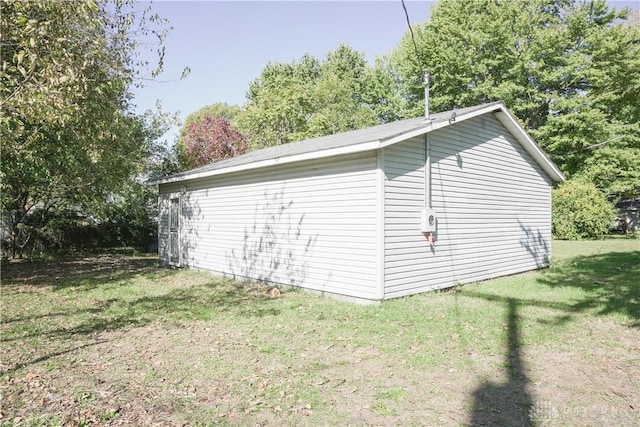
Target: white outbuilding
[{"x": 370, "y": 214}]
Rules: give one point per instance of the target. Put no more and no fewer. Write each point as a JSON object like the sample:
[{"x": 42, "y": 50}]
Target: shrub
[
  {"x": 580, "y": 211},
  {"x": 127, "y": 220}
]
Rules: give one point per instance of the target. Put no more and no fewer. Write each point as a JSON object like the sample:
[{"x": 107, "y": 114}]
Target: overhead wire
[
  {"x": 425, "y": 73},
  {"x": 413, "y": 39}
]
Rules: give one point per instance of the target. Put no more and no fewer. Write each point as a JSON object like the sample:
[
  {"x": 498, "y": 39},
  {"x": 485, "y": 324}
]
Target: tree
[
  {"x": 580, "y": 211},
  {"x": 218, "y": 109},
  {"x": 339, "y": 97},
  {"x": 69, "y": 138},
  {"x": 384, "y": 92},
  {"x": 569, "y": 70},
  {"x": 279, "y": 103},
  {"x": 210, "y": 139},
  {"x": 163, "y": 160},
  {"x": 310, "y": 98},
  {"x": 198, "y": 126},
  {"x": 614, "y": 168}
]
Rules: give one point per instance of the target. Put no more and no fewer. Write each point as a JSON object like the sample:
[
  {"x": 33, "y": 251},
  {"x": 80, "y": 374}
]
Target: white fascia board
[
  {"x": 413, "y": 133},
  {"x": 432, "y": 126},
  {"x": 509, "y": 122},
  {"x": 380, "y": 219},
  {"x": 350, "y": 149},
  {"x": 500, "y": 110}
]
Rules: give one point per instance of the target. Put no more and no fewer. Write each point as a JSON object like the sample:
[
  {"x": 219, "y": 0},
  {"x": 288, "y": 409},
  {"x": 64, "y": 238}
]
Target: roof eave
[
  {"x": 503, "y": 115},
  {"x": 427, "y": 126},
  {"x": 512, "y": 125},
  {"x": 430, "y": 126},
  {"x": 350, "y": 149}
]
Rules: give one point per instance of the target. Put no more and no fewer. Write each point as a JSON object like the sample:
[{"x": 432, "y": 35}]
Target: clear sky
[{"x": 226, "y": 44}]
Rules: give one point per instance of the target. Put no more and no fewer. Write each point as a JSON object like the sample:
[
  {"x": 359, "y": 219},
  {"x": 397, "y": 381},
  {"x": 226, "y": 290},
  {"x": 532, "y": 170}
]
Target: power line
[
  {"x": 425, "y": 73},
  {"x": 600, "y": 144},
  {"x": 415, "y": 46}
]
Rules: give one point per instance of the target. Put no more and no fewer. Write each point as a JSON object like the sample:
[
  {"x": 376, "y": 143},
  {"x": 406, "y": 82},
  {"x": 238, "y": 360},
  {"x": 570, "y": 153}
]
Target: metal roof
[{"x": 340, "y": 143}]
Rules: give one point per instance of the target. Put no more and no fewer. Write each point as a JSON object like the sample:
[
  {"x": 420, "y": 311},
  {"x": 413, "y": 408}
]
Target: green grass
[
  {"x": 567, "y": 249},
  {"x": 211, "y": 351}
]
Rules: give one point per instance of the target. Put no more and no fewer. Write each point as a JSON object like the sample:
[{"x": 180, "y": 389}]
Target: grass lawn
[{"x": 114, "y": 340}]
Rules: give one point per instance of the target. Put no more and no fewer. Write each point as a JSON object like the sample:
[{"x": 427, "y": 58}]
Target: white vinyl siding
[
  {"x": 493, "y": 203},
  {"x": 312, "y": 224}
]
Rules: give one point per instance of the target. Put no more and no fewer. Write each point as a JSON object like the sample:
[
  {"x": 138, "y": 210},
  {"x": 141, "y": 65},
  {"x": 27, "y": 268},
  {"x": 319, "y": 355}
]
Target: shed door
[{"x": 174, "y": 232}]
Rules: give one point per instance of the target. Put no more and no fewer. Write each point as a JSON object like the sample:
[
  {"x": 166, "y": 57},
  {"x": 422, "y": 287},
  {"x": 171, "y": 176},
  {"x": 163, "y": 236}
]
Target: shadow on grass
[
  {"x": 76, "y": 272},
  {"x": 507, "y": 404},
  {"x": 126, "y": 306},
  {"x": 611, "y": 282},
  {"x": 51, "y": 355},
  {"x": 193, "y": 303},
  {"x": 206, "y": 301}
]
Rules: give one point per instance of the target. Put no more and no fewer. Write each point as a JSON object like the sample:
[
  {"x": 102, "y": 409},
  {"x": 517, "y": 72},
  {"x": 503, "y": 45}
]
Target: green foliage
[
  {"x": 208, "y": 135},
  {"x": 580, "y": 211},
  {"x": 129, "y": 218},
  {"x": 569, "y": 70},
  {"x": 614, "y": 167},
  {"x": 126, "y": 220},
  {"x": 339, "y": 96},
  {"x": 278, "y": 103},
  {"x": 70, "y": 141},
  {"x": 218, "y": 109},
  {"x": 310, "y": 98},
  {"x": 162, "y": 160}
]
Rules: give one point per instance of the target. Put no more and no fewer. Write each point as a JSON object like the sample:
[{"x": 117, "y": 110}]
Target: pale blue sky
[{"x": 227, "y": 44}]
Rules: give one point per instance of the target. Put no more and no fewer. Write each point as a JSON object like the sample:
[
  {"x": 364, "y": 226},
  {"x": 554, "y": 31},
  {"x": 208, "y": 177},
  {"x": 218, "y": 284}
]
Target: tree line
[
  {"x": 569, "y": 70},
  {"x": 73, "y": 150}
]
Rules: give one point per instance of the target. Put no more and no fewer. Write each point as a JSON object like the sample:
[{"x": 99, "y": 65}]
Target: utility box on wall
[{"x": 428, "y": 220}]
